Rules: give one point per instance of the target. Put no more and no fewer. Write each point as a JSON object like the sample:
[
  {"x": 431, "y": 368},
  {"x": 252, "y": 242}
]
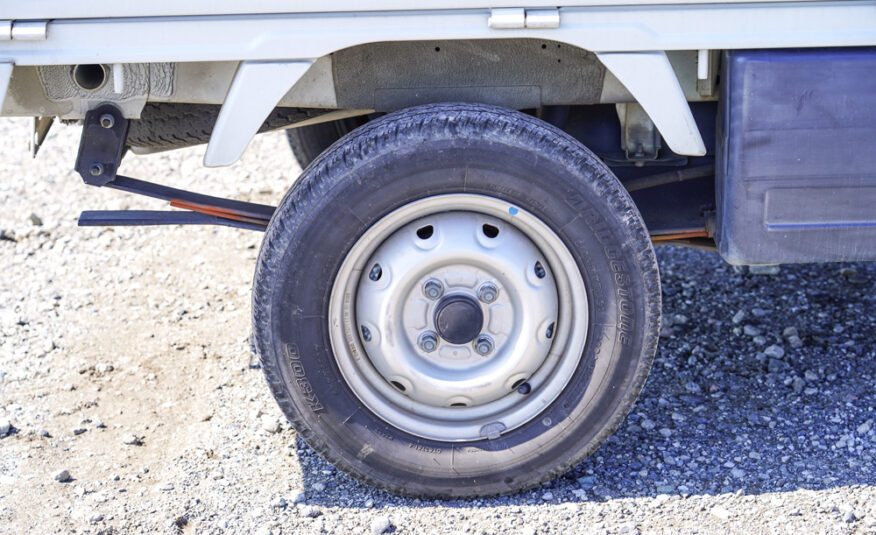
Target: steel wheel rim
[{"x": 381, "y": 356}]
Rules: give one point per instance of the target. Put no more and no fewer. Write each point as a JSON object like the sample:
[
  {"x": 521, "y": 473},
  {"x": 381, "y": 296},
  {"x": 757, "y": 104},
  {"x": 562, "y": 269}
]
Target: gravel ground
[{"x": 129, "y": 403}]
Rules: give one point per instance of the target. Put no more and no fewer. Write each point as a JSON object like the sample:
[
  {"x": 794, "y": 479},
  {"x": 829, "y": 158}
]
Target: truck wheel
[
  {"x": 456, "y": 300},
  {"x": 308, "y": 142}
]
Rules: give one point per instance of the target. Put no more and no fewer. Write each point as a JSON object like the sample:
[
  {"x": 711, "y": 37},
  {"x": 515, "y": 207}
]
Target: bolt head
[
  {"x": 428, "y": 342},
  {"x": 96, "y": 169},
  {"x": 433, "y": 289},
  {"x": 107, "y": 120},
  {"x": 484, "y": 345},
  {"x": 488, "y": 292}
]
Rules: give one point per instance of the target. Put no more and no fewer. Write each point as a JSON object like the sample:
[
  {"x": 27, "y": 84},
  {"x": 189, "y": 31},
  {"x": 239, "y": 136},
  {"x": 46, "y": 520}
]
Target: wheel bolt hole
[
  {"x": 375, "y": 273},
  {"x": 490, "y": 231},
  {"x": 458, "y": 405},
  {"x": 424, "y": 233},
  {"x": 398, "y": 385},
  {"x": 366, "y": 333},
  {"x": 539, "y": 270},
  {"x": 549, "y": 333}
]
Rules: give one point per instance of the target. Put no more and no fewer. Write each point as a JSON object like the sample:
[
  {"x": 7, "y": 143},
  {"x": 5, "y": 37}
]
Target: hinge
[
  {"x": 518, "y": 18},
  {"x": 543, "y": 18},
  {"x": 28, "y": 30}
]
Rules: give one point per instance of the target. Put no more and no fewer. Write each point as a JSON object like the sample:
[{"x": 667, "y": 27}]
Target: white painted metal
[
  {"x": 650, "y": 78},
  {"x": 543, "y": 18},
  {"x": 507, "y": 18},
  {"x": 610, "y": 27},
  {"x": 29, "y": 31},
  {"x": 604, "y": 29},
  {"x": 702, "y": 64},
  {"x": 5, "y": 76},
  {"x": 33, "y": 30},
  {"x": 67, "y": 9},
  {"x": 462, "y": 258},
  {"x": 255, "y": 91},
  {"x": 118, "y": 78},
  {"x": 456, "y": 424}
]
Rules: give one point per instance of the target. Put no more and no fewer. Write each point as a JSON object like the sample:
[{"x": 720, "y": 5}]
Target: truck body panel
[{"x": 795, "y": 179}]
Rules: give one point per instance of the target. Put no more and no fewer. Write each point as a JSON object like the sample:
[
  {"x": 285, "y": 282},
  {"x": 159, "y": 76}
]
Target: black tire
[
  {"x": 308, "y": 142},
  {"x": 166, "y": 125},
  {"x": 422, "y": 152}
]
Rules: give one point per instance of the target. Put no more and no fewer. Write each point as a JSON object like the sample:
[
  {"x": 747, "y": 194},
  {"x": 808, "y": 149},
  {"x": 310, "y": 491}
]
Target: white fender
[
  {"x": 256, "y": 89},
  {"x": 649, "y": 77}
]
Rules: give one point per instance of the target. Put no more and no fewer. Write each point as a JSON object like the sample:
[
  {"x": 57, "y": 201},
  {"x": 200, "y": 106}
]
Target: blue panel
[{"x": 796, "y": 180}]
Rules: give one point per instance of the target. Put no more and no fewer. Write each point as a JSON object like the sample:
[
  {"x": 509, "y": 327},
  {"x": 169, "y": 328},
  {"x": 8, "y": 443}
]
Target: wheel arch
[{"x": 516, "y": 73}]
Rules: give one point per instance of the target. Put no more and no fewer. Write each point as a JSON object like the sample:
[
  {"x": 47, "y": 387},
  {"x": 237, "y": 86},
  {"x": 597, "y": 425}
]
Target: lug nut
[
  {"x": 96, "y": 169},
  {"x": 107, "y": 120},
  {"x": 488, "y": 292},
  {"x": 428, "y": 341},
  {"x": 433, "y": 289},
  {"x": 539, "y": 270},
  {"x": 524, "y": 388},
  {"x": 484, "y": 345}
]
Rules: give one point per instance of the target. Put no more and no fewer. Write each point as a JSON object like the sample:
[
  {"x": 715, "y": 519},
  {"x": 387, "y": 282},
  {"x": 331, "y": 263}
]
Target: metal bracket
[
  {"x": 649, "y": 77},
  {"x": 101, "y": 145},
  {"x": 707, "y": 72},
  {"x": 101, "y": 149},
  {"x": 41, "y": 126},
  {"x": 639, "y": 137}
]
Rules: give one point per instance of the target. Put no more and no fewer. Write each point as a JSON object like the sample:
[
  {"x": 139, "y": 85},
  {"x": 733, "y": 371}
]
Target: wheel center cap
[{"x": 459, "y": 319}]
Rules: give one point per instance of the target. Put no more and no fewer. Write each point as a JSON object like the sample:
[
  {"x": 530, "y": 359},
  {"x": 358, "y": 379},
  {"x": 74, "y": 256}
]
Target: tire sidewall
[{"x": 354, "y": 185}]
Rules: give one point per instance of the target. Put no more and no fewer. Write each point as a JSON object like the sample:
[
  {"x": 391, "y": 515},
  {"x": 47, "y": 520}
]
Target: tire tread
[{"x": 304, "y": 195}]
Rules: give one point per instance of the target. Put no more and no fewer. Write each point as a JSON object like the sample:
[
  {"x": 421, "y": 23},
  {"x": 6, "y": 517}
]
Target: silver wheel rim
[{"x": 404, "y": 309}]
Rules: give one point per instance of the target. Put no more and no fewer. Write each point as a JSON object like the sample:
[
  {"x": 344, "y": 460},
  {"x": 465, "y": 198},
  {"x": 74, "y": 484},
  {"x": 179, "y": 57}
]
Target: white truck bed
[
  {"x": 630, "y": 39},
  {"x": 61, "y": 9}
]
